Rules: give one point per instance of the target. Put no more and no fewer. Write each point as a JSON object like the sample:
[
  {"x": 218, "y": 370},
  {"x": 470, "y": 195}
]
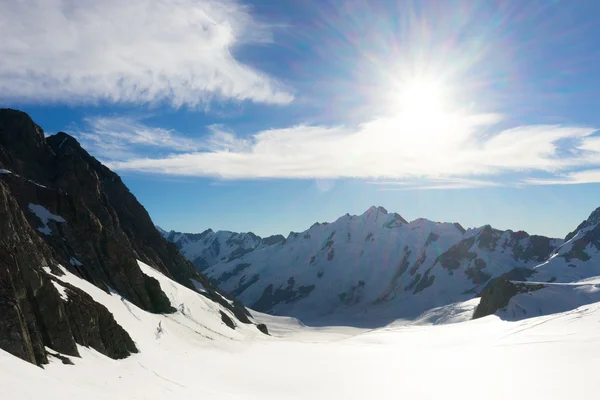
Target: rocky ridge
[{"x": 60, "y": 206}]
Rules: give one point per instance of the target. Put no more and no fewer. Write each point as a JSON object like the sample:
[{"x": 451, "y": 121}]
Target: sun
[
  {"x": 421, "y": 98},
  {"x": 422, "y": 114}
]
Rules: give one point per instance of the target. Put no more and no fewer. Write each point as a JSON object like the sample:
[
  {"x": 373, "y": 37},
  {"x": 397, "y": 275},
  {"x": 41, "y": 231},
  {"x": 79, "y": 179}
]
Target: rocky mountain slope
[
  {"x": 63, "y": 211},
  {"x": 569, "y": 278},
  {"x": 375, "y": 266}
]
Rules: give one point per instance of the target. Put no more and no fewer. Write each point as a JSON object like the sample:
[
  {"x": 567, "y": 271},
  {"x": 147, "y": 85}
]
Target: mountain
[
  {"x": 569, "y": 278},
  {"x": 208, "y": 248},
  {"x": 62, "y": 212},
  {"x": 373, "y": 268}
]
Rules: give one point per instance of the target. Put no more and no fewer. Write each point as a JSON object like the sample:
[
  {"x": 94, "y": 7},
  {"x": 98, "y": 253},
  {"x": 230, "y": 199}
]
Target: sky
[{"x": 267, "y": 116}]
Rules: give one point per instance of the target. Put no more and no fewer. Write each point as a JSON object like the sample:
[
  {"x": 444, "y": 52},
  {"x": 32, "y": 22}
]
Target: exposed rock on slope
[
  {"x": 578, "y": 258},
  {"x": 497, "y": 294},
  {"x": 59, "y": 205},
  {"x": 567, "y": 279}
]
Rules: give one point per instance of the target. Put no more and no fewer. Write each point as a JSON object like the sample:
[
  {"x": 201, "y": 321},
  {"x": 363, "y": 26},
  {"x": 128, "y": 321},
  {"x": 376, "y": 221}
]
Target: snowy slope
[
  {"x": 552, "y": 298},
  {"x": 578, "y": 258},
  {"x": 550, "y": 357},
  {"x": 196, "y": 315},
  {"x": 375, "y": 268}
]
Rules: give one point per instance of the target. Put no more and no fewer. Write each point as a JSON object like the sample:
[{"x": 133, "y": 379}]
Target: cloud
[
  {"x": 572, "y": 178},
  {"x": 117, "y": 138},
  {"x": 136, "y": 51},
  {"x": 455, "y": 151},
  {"x": 434, "y": 184}
]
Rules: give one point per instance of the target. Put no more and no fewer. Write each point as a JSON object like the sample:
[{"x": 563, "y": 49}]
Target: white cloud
[
  {"x": 454, "y": 151},
  {"x": 434, "y": 184},
  {"x": 124, "y": 137},
  {"x": 571, "y": 178},
  {"x": 176, "y": 51}
]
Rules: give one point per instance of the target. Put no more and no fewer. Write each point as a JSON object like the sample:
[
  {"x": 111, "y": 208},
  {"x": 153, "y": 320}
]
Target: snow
[
  {"x": 552, "y": 299},
  {"x": 213, "y": 247},
  {"x": 45, "y": 216},
  {"x": 362, "y": 270},
  {"x": 366, "y": 248},
  {"x": 63, "y": 142},
  {"x": 196, "y": 356},
  {"x": 544, "y": 345},
  {"x": 37, "y": 184},
  {"x": 61, "y": 290}
]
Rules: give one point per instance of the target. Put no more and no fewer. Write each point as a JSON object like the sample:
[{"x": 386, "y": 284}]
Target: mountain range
[{"x": 377, "y": 267}]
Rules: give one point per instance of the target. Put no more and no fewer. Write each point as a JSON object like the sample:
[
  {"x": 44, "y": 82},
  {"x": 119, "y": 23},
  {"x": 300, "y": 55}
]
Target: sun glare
[
  {"x": 422, "y": 114},
  {"x": 421, "y": 98}
]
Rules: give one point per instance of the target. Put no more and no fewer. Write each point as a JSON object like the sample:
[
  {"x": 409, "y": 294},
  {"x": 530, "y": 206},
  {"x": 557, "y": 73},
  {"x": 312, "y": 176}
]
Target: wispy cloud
[
  {"x": 434, "y": 184},
  {"x": 456, "y": 151},
  {"x": 118, "y": 138},
  {"x": 135, "y": 51},
  {"x": 571, "y": 178}
]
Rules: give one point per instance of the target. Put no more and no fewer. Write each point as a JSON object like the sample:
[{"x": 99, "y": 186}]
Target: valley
[{"x": 545, "y": 357}]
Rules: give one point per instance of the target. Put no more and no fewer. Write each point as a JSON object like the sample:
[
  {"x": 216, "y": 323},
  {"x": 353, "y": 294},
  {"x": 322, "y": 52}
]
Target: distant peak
[
  {"x": 459, "y": 227},
  {"x": 594, "y": 217},
  {"x": 399, "y": 218},
  {"x": 374, "y": 209},
  {"x": 318, "y": 224},
  {"x": 207, "y": 232}
]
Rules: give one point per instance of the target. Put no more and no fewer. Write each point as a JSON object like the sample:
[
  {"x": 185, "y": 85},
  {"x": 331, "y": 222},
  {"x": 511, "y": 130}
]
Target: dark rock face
[
  {"x": 495, "y": 296},
  {"x": 538, "y": 249},
  {"x": 451, "y": 258},
  {"x": 498, "y": 292},
  {"x": 263, "y": 328},
  {"x": 244, "y": 284},
  {"x": 352, "y": 295},
  {"x": 476, "y": 272},
  {"x": 274, "y": 239},
  {"x": 287, "y": 294},
  {"x": 94, "y": 326},
  {"x": 226, "y": 320},
  {"x": 97, "y": 230},
  {"x": 237, "y": 270},
  {"x": 459, "y": 227},
  {"x": 488, "y": 238}
]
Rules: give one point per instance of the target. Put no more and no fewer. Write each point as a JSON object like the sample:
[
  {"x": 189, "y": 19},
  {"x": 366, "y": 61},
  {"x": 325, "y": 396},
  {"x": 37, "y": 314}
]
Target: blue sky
[{"x": 267, "y": 116}]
